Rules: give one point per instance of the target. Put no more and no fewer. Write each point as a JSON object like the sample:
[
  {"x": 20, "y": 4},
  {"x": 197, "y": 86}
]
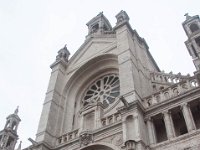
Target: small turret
[
  {"x": 99, "y": 25},
  {"x": 62, "y": 57},
  {"x": 192, "y": 29},
  {"x": 8, "y": 136},
  {"x": 63, "y": 54}
]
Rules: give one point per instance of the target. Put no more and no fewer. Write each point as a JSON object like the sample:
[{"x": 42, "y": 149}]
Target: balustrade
[
  {"x": 167, "y": 77},
  {"x": 74, "y": 134},
  {"x": 110, "y": 119},
  {"x": 67, "y": 137},
  {"x": 170, "y": 92}
]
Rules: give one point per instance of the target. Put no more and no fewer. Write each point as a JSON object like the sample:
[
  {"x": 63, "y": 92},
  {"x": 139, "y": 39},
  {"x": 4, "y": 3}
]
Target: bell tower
[
  {"x": 8, "y": 136},
  {"x": 192, "y": 29}
]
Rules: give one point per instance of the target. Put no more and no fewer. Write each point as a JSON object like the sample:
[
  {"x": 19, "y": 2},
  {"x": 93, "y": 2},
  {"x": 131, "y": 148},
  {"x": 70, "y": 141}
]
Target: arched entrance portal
[{"x": 97, "y": 147}]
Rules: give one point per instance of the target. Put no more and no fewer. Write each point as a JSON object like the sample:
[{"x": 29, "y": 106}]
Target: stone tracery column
[
  {"x": 188, "y": 117},
  {"x": 168, "y": 124},
  {"x": 151, "y": 131}
]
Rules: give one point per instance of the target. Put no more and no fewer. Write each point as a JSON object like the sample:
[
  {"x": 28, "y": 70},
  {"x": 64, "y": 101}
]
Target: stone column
[
  {"x": 188, "y": 117},
  {"x": 98, "y": 116},
  {"x": 151, "y": 131},
  {"x": 168, "y": 124},
  {"x": 81, "y": 123},
  {"x": 124, "y": 129}
]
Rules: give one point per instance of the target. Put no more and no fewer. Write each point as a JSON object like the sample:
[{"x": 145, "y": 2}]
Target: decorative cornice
[{"x": 132, "y": 105}]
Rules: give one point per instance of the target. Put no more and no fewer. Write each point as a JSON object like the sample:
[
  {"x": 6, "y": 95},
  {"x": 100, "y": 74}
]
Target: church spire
[{"x": 8, "y": 136}]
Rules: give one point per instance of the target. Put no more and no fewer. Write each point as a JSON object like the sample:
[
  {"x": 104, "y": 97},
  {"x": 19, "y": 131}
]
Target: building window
[
  {"x": 160, "y": 129},
  {"x": 104, "y": 90},
  {"x": 10, "y": 142},
  {"x": 14, "y": 124},
  {"x": 178, "y": 121},
  {"x": 95, "y": 28},
  {"x": 197, "y": 40},
  {"x": 194, "y": 27},
  {"x": 195, "y": 109},
  {"x": 194, "y": 51}
]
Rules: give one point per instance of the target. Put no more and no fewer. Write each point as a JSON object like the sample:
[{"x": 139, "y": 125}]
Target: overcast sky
[{"x": 32, "y": 31}]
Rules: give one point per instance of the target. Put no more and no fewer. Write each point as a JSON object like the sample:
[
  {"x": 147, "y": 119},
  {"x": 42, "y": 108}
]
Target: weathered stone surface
[{"x": 84, "y": 109}]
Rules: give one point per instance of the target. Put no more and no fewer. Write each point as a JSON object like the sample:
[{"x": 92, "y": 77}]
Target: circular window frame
[{"x": 104, "y": 89}]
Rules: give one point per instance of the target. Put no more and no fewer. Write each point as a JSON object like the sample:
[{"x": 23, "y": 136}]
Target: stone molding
[
  {"x": 85, "y": 138},
  {"x": 173, "y": 102}
]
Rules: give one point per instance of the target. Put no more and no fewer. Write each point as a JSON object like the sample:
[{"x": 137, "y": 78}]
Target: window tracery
[{"x": 103, "y": 90}]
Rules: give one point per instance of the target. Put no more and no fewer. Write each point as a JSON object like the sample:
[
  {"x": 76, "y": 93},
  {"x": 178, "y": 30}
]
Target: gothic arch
[
  {"x": 100, "y": 146},
  {"x": 91, "y": 70}
]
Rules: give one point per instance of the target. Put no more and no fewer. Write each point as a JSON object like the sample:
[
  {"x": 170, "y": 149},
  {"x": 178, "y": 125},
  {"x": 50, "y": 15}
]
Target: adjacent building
[{"x": 9, "y": 136}]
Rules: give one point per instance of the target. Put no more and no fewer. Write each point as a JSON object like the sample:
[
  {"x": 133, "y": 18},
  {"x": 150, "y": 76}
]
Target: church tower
[
  {"x": 8, "y": 136},
  {"x": 111, "y": 95},
  {"x": 90, "y": 93},
  {"x": 192, "y": 29}
]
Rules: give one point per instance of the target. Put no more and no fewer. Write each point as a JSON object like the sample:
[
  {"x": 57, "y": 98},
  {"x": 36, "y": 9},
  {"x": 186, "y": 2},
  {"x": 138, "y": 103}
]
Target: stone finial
[
  {"x": 16, "y": 110},
  {"x": 100, "y": 13},
  {"x": 187, "y": 16},
  {"x": 122, "y": 17},
  {"x": 63, "y": 54}
]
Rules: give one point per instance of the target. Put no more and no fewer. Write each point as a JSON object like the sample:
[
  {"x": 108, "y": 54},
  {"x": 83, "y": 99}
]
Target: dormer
[{"x": 99, "y": 25}]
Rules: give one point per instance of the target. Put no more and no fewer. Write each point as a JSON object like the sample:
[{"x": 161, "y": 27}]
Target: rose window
[{"x": 103, "y": 90}]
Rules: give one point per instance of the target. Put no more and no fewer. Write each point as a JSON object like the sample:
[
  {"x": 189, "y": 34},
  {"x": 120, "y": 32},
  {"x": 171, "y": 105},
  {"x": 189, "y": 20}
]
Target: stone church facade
[{"x": 111, "y": 95}]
